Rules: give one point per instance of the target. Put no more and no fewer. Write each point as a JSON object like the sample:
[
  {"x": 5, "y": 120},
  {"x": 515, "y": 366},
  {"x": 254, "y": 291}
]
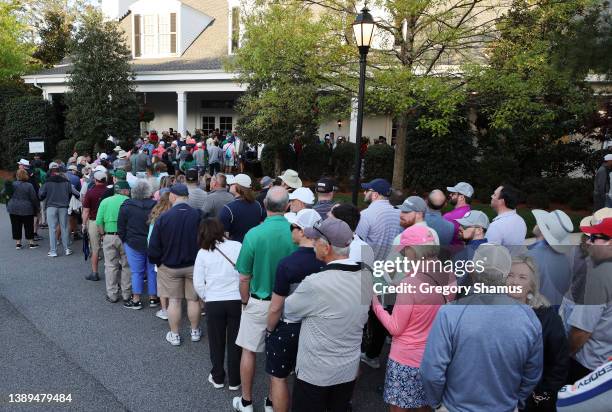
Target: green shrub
[
  {"x": 538, "y": 200},
  {"x": 83, "y": 147},
  {"x": 64, "y": 149},
  {"x": 24, "y": 117},
  {"x": 343, "y": 161},
  {"x": 580, "y": 203},
  {"x": 313, "y": 162},
  {"x": 287, "y": 159},
  {"x": 379, "y": 162}
]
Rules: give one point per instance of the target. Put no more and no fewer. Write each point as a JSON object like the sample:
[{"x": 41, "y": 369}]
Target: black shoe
[
  {"x": 43, "y": 226},
  {"x": 38, "y": 238},
  {"x": 18, "y": 246},
  {"x": 108, "y": 299},
  {"x": 92, "y": 276},
  {"x": 33, "y": 245},
  {"x": 153, "y": 302},
  {"x": 130, "y": 304}
]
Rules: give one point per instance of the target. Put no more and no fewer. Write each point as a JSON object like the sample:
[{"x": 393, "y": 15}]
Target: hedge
[
  {"x": 313, "y": 162},
  {"x": 343, "y": 161},
  {"x": 379, "y": 162}
]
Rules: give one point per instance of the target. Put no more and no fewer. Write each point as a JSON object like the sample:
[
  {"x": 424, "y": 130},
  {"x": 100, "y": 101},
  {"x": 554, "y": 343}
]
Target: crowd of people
[{"x": 287, "y": 273}]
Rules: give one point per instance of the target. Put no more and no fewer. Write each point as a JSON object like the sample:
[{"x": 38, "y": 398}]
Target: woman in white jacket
[{"x": 216, "y": 281}]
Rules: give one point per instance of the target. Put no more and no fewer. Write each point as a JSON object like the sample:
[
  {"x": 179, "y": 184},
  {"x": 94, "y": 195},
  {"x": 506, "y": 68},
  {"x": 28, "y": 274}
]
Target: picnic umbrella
[{"x": 86, "y": 245}]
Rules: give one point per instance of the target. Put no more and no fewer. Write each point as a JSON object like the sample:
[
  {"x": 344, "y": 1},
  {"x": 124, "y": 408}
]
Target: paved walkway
[{"x": 59, "y": 335}]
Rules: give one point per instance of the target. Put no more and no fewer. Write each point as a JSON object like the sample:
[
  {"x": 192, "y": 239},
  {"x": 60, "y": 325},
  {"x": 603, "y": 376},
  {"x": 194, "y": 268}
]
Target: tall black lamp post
[{"x": 363, "y": 29}]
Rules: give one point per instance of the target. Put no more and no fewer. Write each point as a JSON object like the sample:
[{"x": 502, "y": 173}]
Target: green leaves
[{"x": 15, "y": 49}]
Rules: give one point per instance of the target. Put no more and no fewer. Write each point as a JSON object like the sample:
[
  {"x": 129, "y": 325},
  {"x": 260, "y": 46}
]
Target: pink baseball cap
[{"x": 416, "y": 235}]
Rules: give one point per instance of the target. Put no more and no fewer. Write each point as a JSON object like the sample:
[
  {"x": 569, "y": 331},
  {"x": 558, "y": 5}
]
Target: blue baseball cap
[
  {"x": 380, "y": 186},
  {"x": 179, "y": 189}
]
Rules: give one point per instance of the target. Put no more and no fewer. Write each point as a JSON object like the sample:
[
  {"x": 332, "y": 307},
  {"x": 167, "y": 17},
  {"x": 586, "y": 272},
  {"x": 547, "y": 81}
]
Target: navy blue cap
[
  {"x": 380, "y": 186},
  {"x": 179, "y": 189}
]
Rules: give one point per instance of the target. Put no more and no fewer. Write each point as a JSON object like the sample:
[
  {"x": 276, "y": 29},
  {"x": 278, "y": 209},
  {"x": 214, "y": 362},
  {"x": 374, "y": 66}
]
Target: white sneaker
[
  {"x": 237, "y": 404},
  {"x": 196, "y": 335},
  {"x": 233, "y": 388},
  {"x": 215, "y": 385},
  {"x": 162, "y": 314},
  {"x": 267, "y": 408},
  {"x": 69, "y": 252},
  {"x": 52, "y": 254},
  {"x": 173, "y": 338},
  {"x": 372, "y": 363}
]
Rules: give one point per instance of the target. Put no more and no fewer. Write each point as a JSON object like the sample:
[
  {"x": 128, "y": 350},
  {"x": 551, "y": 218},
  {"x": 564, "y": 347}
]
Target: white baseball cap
[
  {"x": 100, "y": 175},
  {"x": 184, "y": 148},
  {"x": 23, "y": 162},
  {"x": 241, "y": 179},
  {"x": 462, "y": 188},
  {"x": 304, "y": 194},
  {"x": 103, "y": 156},
  {"x": 100, "y": 168},
  {"x": 304, "y": 218},
  {"x": 608, "y": 157},
  {"x": 199, "y": 144}
]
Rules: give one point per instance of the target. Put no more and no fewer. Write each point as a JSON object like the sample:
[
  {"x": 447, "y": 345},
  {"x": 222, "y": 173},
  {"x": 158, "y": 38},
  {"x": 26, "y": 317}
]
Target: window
[
  {"x": 155, "y": 35},
  {"x": 225, "y": 124},
  {"x": 208, "y": 124},
  {"x": 235, "y": 29}
]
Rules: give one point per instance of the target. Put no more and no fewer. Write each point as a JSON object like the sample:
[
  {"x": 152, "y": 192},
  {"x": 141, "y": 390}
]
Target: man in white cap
[
  {"x": 601, "y": 184},
  {"x": 244, "y": 213},
  {"x": 300, "y": 199},
  {"x": 460, "y": 197},
  {"x": 121, "y": 162},
  {"x": 486, "y": 337},
  {"x": 290, "y": 180},
  {"x": 282, "y": 332},
  {"x": 552, "y": 233}
]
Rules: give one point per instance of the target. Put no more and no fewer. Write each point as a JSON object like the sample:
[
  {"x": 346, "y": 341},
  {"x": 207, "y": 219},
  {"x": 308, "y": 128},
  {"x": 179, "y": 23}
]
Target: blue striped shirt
[{"x": 378, "y": 226}]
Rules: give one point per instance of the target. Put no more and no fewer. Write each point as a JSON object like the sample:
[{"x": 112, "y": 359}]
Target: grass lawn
[{"x": 523, "y": 211}]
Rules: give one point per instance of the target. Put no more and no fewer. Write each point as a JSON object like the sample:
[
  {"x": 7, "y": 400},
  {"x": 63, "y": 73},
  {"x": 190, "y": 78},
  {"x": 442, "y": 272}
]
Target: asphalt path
[{"x": 58, "y": 335}]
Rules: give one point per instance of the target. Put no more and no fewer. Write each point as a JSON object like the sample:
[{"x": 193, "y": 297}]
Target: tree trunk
[{"x": 399, "y": 161}]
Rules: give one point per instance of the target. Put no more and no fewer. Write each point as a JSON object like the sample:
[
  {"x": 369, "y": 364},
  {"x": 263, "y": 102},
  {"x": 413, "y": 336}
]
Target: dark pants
[
  {"x": 22, "y": 222},
  {"x": 223, "y": 322},
  {"x": 375, "y": 336},
  {"x": 576, "y": 371},
  {"x": 214, "y": 168},
  {"x": 312, "y": 398}
]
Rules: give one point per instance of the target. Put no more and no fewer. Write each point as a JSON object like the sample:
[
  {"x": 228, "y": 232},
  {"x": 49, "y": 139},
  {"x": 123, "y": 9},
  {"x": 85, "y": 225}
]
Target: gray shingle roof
[{"x": 150, "y": 65}]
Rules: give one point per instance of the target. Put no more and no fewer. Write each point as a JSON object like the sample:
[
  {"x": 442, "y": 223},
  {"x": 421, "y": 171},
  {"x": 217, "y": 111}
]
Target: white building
[{"x": 178, "y": 49}]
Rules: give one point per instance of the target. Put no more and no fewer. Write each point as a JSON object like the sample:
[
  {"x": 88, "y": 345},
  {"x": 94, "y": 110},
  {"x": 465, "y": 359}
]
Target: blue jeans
[
  {"x": 55, "y": 216},
  {"x": 139, "y": 265}
]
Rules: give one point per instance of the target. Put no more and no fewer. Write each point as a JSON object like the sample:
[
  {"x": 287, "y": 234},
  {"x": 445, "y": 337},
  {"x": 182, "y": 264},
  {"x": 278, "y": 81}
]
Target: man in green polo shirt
[
  {"x": 115, "y": 261},
  {"x": 263, "y": 247}
]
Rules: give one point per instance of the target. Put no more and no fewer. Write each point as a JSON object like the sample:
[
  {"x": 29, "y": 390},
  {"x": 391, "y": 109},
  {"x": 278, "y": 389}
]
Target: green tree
[
  {"x": 102, "y": 100},
  {"x": 55, "y": 36},
  {"x": 15, "y": 50}
]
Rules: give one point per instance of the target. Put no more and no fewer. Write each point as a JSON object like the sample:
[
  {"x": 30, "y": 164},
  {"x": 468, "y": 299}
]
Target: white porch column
[
  {"x": 353, "y": 126},
  {"x": 47, "y": 96},
  {"x": 182, "y": 111}
]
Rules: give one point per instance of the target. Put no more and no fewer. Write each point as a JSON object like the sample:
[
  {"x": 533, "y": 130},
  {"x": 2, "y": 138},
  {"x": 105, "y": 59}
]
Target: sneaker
[
  {"x": 173, "y": 338},
  {"x": 268, "y": 405},
  {"x": 196, "y": 335},
  {"x": 69, "y": 252},
  {"x": 153, "y": 302},
  {"x": 18, "y": 246},
  {"x": 111, "y": 300},
  {"x": 162, "y": 314},
  {"x": 52, "y": 254},
  {"x": 239, "y": 407},
  {"x": 44, "y": 226},
  {"x": 233, "y": 388},
  {"x": 33, "y": 246},
  {"x": 93, "y": 276},
  {"x": 215, "y": 385},
  {"x": 38, "y": 238},
  {"x": 131, "y": 304},
  {"x": 372, "y": 363}
]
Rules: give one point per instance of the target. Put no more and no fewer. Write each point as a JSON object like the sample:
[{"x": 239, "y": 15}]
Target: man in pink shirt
[{"x": 460, "y": 197}]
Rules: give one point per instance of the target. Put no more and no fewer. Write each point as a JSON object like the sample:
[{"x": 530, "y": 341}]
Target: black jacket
[
  {"x": 556, "y": 351},
  {"x": 132, "y": 225}
]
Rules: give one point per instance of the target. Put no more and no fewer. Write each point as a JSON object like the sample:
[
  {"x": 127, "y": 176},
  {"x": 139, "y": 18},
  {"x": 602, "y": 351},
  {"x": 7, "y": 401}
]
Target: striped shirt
[
  {"x": 333, "y": 306},
  {"x": 378, "y": 226}
]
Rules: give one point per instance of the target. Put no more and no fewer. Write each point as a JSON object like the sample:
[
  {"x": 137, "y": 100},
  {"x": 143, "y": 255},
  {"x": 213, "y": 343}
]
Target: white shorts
[{"x": 253, "y": 323}]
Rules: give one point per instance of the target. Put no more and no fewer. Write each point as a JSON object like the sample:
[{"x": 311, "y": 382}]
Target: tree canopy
[{"x": 15, "y": 49}]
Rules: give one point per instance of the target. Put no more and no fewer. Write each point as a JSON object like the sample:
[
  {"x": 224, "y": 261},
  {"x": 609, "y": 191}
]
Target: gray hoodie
[{"x": 57, "y": 190}]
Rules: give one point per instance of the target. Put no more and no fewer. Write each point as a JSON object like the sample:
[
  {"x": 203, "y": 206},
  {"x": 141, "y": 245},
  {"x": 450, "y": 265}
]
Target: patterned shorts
[{"x": 403, "y": 387}]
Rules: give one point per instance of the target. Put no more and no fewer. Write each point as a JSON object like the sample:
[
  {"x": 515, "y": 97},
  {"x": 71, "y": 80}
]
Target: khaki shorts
[
  {"x": 253, "y": 323},
  {"x": 176, "y": 283},
  {"x": 94, "y": 237}
]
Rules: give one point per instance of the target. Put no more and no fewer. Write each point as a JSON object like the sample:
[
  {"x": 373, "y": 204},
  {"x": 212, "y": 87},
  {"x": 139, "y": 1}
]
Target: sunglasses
[
  {"x": 593, "y": 238},
  {"x": 294, "y": 227}
]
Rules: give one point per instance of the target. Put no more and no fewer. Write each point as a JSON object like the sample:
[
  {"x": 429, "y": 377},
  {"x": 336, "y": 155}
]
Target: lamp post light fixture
[{"x": 363, "y": 29}]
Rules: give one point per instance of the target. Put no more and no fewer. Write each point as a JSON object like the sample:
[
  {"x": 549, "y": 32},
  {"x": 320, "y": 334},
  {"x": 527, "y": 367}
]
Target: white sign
[{"x": 37, "y": 147}]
